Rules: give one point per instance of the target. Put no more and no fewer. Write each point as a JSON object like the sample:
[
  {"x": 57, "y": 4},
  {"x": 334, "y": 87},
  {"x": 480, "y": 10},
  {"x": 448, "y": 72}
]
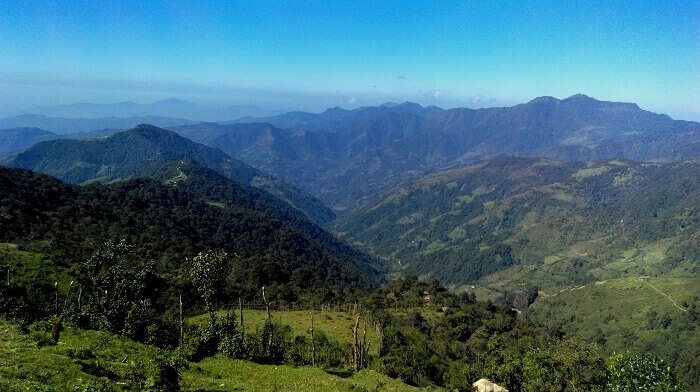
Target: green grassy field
[
  {"x": 28, "y": 267},
  {"x": 102, "y": 356},
  {"x": 25, "y": 367},
  {"x": 656, "y": 315},
  {"x": 222, "y": 374},
  {"x": 336, "y": 325}
]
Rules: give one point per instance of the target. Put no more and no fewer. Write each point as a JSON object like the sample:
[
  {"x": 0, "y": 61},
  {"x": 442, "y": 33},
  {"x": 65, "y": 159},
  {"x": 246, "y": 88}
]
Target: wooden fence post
[
  {"x": 182, "y": 330},
  {"x": 355, "y": 354},
  {"x": 313, "y": 342},
  {"x": 240, "y": 310}
]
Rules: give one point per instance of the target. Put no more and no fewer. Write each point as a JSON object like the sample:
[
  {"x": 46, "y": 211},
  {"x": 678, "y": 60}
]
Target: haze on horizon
[{"x": 276, "y": 56}]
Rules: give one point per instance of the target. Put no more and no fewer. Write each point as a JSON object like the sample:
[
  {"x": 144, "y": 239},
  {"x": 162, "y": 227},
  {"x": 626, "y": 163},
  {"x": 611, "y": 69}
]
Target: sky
[{"x": 310, "y": 55}]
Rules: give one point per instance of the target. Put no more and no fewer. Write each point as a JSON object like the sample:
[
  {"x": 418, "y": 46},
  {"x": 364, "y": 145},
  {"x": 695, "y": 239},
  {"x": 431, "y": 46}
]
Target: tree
[
  {"x": 208, "y": 271},
  {"x": 627, "y": 372}
]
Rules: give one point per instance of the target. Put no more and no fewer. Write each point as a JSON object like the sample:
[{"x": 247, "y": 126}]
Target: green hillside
[
  {"x": 659, "y": 315},
  {"x": 511, "y": 222}
]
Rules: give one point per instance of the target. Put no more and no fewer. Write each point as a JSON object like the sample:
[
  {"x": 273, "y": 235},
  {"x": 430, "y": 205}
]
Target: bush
[
  {"x": 44, "y": 333},
  {"x": 95, "y": 386},
  {"x": 80, "y": 353},
  {"x": 170, "y": 367},
  {"x": 627, "y": 372},
  {"x": 200, "y": 343},
  {"x": 298, "y": 352},
  {"x": 230, "y": 338}
]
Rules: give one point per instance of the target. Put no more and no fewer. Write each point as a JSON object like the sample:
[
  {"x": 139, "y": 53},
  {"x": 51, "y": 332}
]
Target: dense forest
[{"x": 166, "y": 223}]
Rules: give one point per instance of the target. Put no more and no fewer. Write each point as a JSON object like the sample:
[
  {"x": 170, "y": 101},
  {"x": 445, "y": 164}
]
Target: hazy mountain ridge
[
  {"x": 345, "y": 156},
  {"x": 20, "y": 138},
  {"x": 140, "y": 150},
  {"x": 68, "y": 126},
  {"x": 526, "y": 221}
]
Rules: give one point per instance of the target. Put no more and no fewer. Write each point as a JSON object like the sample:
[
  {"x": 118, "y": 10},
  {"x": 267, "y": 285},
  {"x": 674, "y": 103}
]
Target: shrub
[
  {"x": 230, "y": 339},
  {"x": 200, "y": 343},
  {"x": 627, "y": 372},
  {"x": 42, "y": 332},
  {"x": 80, "y": 353}
]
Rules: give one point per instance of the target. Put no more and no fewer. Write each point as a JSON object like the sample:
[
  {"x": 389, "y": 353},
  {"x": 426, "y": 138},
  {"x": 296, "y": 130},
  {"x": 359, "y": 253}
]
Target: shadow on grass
[{"x": 342, "y": 373}]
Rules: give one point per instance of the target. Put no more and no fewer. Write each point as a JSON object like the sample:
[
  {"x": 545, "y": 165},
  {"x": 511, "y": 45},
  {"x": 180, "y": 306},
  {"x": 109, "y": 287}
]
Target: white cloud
[
  {"x": 436, "y": 94},
  {"x": 352, "y": 100}
]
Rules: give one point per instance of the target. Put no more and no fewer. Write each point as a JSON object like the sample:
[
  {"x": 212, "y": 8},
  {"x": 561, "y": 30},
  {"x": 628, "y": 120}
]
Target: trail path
[
  {"x": 673, "y": 302},
  {"x": 667, "y": 297}
]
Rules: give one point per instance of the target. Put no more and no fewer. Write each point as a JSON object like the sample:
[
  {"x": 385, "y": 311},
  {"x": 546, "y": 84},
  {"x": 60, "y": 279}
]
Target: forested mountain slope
[
  {"x": 172, "y": 218},
  {"x": 508, "y": 222},
  {"x": 140, "y": 150},
  {"x": 345, "y": 156}
]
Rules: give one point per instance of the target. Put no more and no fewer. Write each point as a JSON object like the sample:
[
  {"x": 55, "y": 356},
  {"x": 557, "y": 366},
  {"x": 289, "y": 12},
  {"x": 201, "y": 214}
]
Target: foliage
[
  {"x": 208, "y": 271},
  {"x": 231, "y": 341},
  {"x": 627, "y": 372},
  {"x": 166, "y": 224}
]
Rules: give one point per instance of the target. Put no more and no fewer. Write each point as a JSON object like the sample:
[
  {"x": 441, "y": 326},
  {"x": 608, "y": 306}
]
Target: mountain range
[
  {"x": 138, "y": 152},
  {"x": 346, "y": 156}
]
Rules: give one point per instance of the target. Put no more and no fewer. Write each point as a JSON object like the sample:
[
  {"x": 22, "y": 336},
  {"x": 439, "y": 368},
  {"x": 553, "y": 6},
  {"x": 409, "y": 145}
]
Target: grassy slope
[
  {"x": 24, "y": 367},
  {"x": 336, "y": 325},
  {"x": 221, "y": 374},
  {"x": 621, "y": 308},
  {"x": 28, "y": 266}
]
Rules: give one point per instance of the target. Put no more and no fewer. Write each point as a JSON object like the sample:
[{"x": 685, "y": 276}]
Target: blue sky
[{"x": 314, "y": 54}]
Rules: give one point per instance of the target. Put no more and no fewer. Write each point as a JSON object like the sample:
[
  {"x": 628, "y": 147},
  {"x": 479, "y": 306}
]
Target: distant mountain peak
[
  {"x": 172, "y": 101},
  {"x": 410, "y": 104},
  {"x": 148, "y": 130},
  {"x": 544, "y": 99},
  {"x": 580, "y": 98}
]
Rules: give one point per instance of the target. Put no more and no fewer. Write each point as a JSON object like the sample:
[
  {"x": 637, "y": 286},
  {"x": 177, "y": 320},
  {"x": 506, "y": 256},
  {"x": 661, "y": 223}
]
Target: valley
[{"x": 517, "y": 250}]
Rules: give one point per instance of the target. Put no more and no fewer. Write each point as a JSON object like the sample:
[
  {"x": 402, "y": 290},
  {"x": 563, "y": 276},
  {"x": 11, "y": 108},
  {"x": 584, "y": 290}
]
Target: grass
[
  {"x": 642, "y": 314},
  {"x": 26, "y": 367},
  {"x": 336, "y": 325},
  {"x": 222, "y": 374},
  {"x": 616, "y": 306},
  {"x": 30, "y": 266}
]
